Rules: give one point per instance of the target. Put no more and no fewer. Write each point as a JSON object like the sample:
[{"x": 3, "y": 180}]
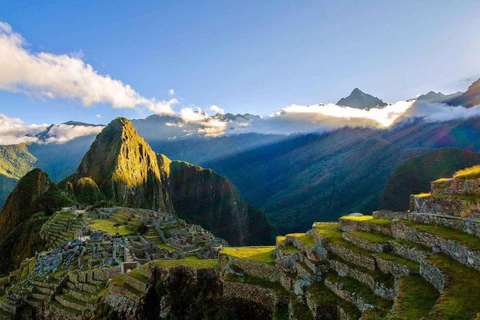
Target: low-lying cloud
[
  {"x": 15, "y": 131},
  {"x": 64, "y": 76}
]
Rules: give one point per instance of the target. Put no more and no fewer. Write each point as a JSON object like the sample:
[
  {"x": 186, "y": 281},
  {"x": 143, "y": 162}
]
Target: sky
[{"x": 135, "y": 58}]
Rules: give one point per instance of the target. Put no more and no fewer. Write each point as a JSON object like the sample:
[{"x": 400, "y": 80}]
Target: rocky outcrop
[{"x": 203, "y": 197}]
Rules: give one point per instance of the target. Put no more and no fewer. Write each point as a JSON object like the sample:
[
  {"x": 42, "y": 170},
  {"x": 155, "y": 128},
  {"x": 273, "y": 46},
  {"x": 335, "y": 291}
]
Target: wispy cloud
[{"x": 65, "y": 76}]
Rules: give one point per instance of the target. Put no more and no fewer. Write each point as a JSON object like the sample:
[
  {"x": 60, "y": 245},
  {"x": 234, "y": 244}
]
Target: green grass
[
  {"x": 137, "y": 275},
  {"x": 324, "y": 297},
  {"x": 461, "y": 295},
  {"x": 192, "y": 258},
  {"x": 371, "y": 237},
  {"x": 362, "y": 290},
  {"x": 166, "y": 246},
  {"x": 260, "y": 254},
  {"x": 247, "y": 279},
  {"x": 330, "y": 231},
  {"x": 443, "y": 180},
  {"x": 416, "y": 297},
  {"x": 368, "y": 219},
  {"x": 464, "y": 238},
  {"x": 412, "y": 265},
  {"x": 185, "y": 262},
  {"x": 108, "y": 226},
  {"x": 303, "y": 237},
  {"x": 468, "y": 173}
]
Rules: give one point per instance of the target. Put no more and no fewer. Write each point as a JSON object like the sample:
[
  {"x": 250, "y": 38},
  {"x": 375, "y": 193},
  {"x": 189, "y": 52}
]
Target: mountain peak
[
  {"x": 360, "y": 100},
  {"x": 124, "y": 167}
]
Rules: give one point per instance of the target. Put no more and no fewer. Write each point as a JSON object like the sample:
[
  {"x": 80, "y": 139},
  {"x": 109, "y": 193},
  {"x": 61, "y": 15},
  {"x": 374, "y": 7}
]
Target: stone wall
[
  {"x": 457, "y": 186},
  {"x": 263, "y": 296},
  {"x": 348, "y": 225},
  {"x": 433, "y": 275},
  {"x": 349, "y": 255},
  {"x": 397, "y": 269},
  {"x": 453, "y": 248},
  {"x": 408, "y": 252},
  {"x": 250, "y": 267},
  {"x": 367, "y": 245}
]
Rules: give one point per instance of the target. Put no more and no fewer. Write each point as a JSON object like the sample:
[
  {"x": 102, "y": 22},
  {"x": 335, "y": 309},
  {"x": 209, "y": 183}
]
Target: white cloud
[
  {"x": 98, "y": 116},
  {"x": 61, "y": 133},
  {"x": 171, "y": 92},
  {"x": 163, "y": 107},
  {"x": 14, "y": 131},
  {"x": 63, "y": 76},
  {"x": 217, "y": 109}
]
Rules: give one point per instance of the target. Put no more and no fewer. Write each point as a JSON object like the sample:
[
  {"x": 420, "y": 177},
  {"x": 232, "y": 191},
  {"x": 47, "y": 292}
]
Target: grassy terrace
[
  {"x": 368, "y": 219},
  {"x": 413, "y": 245},
  {"x": 412, "y": 265},
  {"x": 362, "y": 290},
  {"x": 260, "y": 254},
  {"x": 330, "y": 231},
  {"x": 380, "y": 277},
  {"x": 185, "y": 262},
  {"x": 247, "y": 279},
  {"x": 108, "y": 226},
  {"x": 415, "y": 299},
  {"x": 371, "y": 237},
  {"x": 165, "y": 246},
  {"x": 305, "y": 238},
  {"x": 468, "y": 173},
  {"x": 461, "y": 295},
  {"x": 444, "y": 232},
  {"x": 324, "y": 297}
]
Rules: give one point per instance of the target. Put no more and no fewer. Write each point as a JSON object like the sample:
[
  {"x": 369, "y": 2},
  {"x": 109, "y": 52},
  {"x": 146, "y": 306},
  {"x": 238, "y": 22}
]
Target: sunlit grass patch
[
  {"x": 260, "y": 254},
  {"x": 108, "y": 226},
  {"x": 468, "y": 173}
]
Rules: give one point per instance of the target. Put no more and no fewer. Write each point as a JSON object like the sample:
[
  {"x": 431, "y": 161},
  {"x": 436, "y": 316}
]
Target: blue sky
[{"x": 248, "y": 56}]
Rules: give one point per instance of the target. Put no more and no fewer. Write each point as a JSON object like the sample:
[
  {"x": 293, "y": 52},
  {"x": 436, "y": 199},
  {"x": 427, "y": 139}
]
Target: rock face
[
  {"x": 203, "y": 197},
  {"x": 24, "y": 200},
  {"x": 469, "y": 98},
  {"x": 125, "y": 168},
  {"x": 360, "y": 100}
]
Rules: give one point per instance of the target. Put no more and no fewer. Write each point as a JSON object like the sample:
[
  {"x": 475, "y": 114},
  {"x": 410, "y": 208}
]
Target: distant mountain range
[{"x": 295, "y": 179}]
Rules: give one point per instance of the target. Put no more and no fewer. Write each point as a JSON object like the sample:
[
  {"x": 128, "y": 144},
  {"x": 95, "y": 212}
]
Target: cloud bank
[
  {"x": 14, "y": 131},
  {"x": 64, "y": 76}
]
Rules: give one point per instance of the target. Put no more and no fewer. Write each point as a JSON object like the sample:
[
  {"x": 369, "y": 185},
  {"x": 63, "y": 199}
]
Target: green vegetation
[
  {"x": 371, "y": 237},
  {"x": 461, "y": 293},
  {"x": 137, "y": 275},
  {"x": 324, "y": 297},
  {"x": 443, "y": 180},
  {"x": 87, "y": 191},
  {"x": 109, "y": 226},
  {"x": 423, "y": 195},
  {"x": 416, "y": 297},
  {"x": 412, "y": 265},
  {"x": 468, "y": 173},
  {"x": 464, "y": 238},
  {"x": 362, "y": 290},
  {"x": 260, "y": 254},
  {"x": 413, "y": 245},
  {"x": 303, "y": 237},
  {"x": 288, "y": 248},
  {"x": 330, "y": 231},
  {"x": 185, "y": 262},
  {"x": 165, "y": 246}
]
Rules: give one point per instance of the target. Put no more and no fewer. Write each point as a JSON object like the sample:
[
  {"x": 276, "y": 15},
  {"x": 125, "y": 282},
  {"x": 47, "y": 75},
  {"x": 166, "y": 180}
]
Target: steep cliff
[
  {"x": 203, "y": 197},
  {"x": 124, "y": 168}
]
